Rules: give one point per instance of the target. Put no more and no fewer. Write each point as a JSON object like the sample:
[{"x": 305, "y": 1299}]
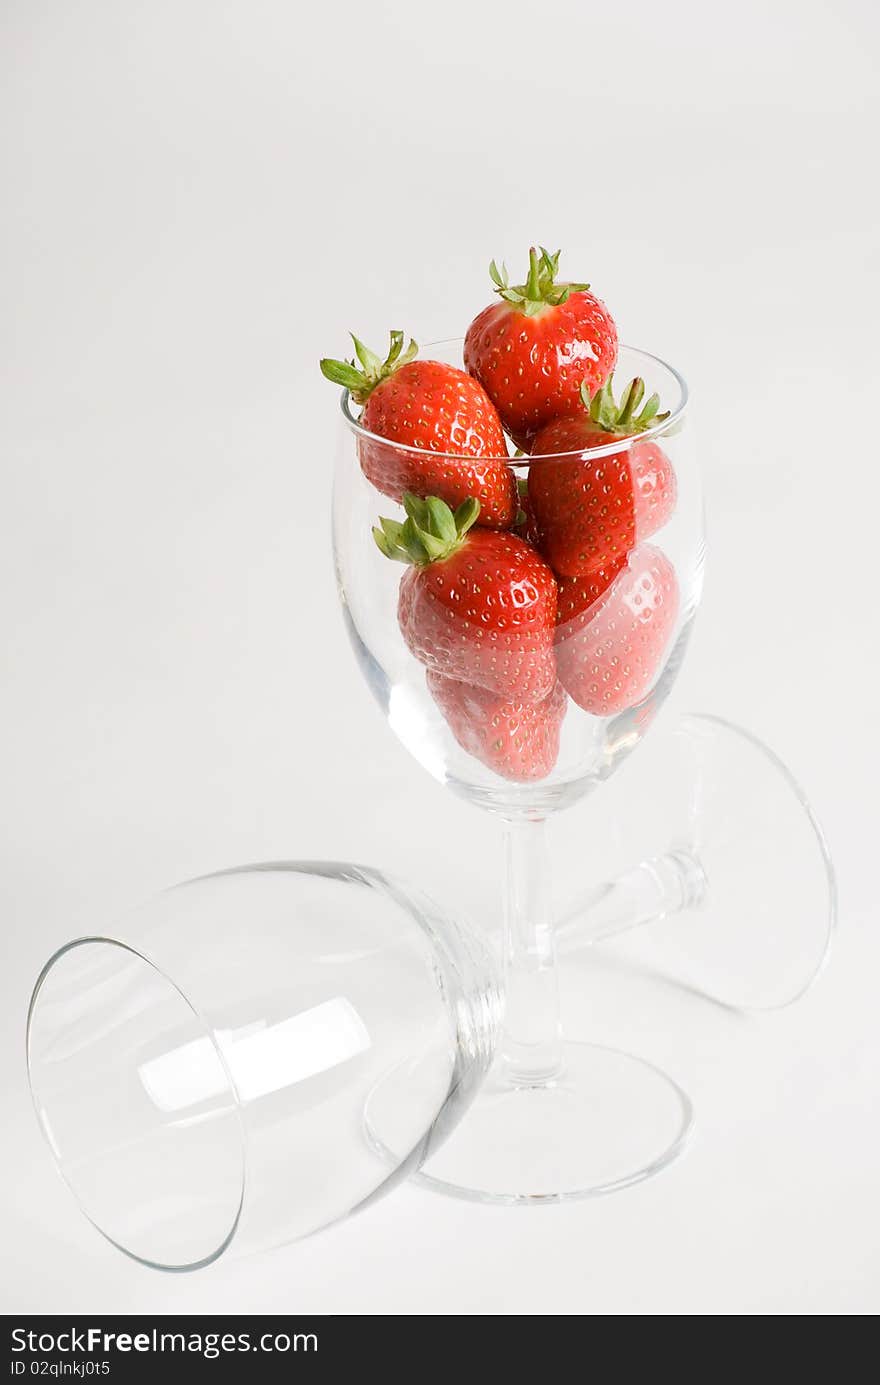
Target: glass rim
[
  {"x": 208, "y": 1033},
  {"x": 609, "y": 449}
]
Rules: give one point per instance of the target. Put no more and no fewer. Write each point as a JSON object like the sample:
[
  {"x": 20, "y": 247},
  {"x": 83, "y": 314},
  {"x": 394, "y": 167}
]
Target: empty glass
[{"x": 203, "y": 1075}]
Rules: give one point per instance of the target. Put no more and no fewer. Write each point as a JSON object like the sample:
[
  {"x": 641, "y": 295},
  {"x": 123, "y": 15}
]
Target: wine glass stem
[
  {"x": 658, "y": 887},
  {"x": 532, "y": 1040}
]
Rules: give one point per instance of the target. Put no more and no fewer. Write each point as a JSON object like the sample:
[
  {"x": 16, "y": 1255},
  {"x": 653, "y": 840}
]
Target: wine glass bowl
[
  {"x": 612, "y": 680},
  {"x": 202, "y": 1073}
]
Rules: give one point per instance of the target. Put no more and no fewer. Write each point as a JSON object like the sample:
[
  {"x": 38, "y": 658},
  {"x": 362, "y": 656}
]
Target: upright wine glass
[{"x": 555, "y": 1119}]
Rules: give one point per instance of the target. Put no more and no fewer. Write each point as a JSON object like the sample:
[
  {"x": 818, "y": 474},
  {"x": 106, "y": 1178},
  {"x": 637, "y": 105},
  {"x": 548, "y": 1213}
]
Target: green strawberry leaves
[
  {"x": 430, "y": 533},
  {"x": 540, "y": 289},
  {"x": 623, "y": 419},
  {"x": 361, "y": 382}
]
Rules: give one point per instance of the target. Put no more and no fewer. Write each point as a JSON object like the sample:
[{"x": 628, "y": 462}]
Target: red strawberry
[
  {"x": 440, "y": 411},
  {"x": 518, "y": 740},
  {"x": 576, "y": 597},
  {"x": 531, "y": 351},
  {"x": 610, "y": 644},
  {"x": 476, "y": 605},
  {"x": 592, "y": 510}
]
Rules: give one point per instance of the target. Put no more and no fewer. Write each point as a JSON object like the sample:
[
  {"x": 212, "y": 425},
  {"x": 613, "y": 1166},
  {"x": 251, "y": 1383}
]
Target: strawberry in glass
[
  {"x": 532, "y": 350},
  {"x": 518, "y": 740},
  {"x": 592, "y": 510},
  {"x": 475, "y": 604},
  {"x": 612, "y": 630},
  {"x": 451, "y": 443}
]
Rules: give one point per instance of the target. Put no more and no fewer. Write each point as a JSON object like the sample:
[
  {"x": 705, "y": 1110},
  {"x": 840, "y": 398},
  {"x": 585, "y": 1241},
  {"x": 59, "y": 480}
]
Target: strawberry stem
[
  {"x": 630, "y": 401},
  {"x": 623, "y": 418},
  {"x": 533, "y": 283},
  {"x": 540, "y": 289}
]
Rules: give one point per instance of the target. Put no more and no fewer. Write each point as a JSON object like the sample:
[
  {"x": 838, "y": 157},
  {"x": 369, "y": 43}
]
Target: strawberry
[
  {"x": 576, "y": 597},
  {"x": 518, "y": 740},
  {"x": 441, "y": 412},
  {"x": 613, "y": 629},
  {"x": 531, "y": 351},
  {"x": 476, "y": 605},
  {"x": 590, "y": 511}
]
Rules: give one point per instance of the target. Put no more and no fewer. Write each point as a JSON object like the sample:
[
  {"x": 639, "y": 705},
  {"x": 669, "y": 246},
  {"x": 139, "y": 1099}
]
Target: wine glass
[
  {"x": 555, "y": 1119},
  {"x": 201, "y": 1070}
]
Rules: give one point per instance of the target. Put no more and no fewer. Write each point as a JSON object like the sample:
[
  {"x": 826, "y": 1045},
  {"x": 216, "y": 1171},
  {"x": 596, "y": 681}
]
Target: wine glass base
[{"x": 609, "y": 1120}]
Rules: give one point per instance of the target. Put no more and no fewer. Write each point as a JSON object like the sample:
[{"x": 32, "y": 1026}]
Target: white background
[{"x": 200, "y": 198}]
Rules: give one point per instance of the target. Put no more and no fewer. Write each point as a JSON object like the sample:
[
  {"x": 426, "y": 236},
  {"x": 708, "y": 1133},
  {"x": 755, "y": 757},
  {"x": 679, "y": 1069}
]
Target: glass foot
[{"x": 608, "y": 1121}]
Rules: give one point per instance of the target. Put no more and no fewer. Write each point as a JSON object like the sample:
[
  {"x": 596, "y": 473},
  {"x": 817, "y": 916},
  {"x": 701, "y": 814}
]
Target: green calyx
[
  {"x": 630, "y": 415},
  {"x": 430, "y": 533},
  {"x": 540, "y": 289},
  {"x": 361, "y": 382}
]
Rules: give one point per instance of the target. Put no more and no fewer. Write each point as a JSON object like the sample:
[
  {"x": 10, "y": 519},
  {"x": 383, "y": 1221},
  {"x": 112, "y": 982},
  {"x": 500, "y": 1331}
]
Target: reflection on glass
[{"x": 260, "y": 1058}]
